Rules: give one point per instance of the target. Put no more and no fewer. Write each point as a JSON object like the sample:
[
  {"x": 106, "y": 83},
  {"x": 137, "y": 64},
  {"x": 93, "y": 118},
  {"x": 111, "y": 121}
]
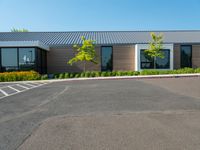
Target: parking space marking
[
  {"x": 38, "y": 83},
  {"x": 22, "y": 86},
  {"x": 29, "y": 84},
  {"x": 13, "y": 89},
  {"x": 2, "y": 91}
]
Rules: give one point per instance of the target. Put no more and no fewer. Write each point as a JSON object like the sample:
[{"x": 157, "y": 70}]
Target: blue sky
[{"x": 98, "y": 15}]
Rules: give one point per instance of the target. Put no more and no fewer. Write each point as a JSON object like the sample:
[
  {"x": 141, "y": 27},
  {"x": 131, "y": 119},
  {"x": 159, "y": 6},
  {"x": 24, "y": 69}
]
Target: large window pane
[
  {"x": 163, "y": 63},
  {"x": 9, "y": 59},
  {"x": 186, "y": 56},
  {"x": 27, "y": 58},
  {"x": 146, "y": 61},
  {"x": 106, "y": 59}
]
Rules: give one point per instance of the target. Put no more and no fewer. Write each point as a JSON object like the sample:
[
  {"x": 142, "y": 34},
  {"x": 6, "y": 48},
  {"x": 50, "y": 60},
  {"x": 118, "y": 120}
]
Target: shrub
[
  {"x": 77, "y": 75},
  {"x": 103, "y": 74},
  {"x": 66, "y": 75},
  {"x": 197, "y": 70},
  {"x": 82, "y": 75},
  {"x": 61, "y": 76},
  {"x": 149, "y": 72},
  {"x": 129, "y": 73},
  {"x": 97, "y": 74},
  {"x": 19, "y": 76},
  {"x": 114, "y": 73},
  {"x": 93, "y": 74},
  {"x": 108, "y": 74},
  {"x": 44, "y": 77},
  {"x": 119, "y": 73},
  {"x": 71, "y": 75},
  {"x": 136, "y": 73},
  {"x": 87, "y": 74},
  {"x": 56, "y": 76}
]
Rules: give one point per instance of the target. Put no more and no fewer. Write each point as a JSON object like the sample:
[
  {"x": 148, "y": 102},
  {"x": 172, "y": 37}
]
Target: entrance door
[{"x": 186, "y": 56}]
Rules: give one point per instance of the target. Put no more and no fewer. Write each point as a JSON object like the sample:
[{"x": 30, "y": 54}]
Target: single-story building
[{"x": 49, "y": 52}]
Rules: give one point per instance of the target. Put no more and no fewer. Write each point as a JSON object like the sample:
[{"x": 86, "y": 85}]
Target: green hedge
[
  {"x": 178, "y": 71},
  {"x": 93, "y": 74},
  {"x": 32, "y": 75},
  {"x": 121, "y": 73},
  {"x": 19, "y": 76}
]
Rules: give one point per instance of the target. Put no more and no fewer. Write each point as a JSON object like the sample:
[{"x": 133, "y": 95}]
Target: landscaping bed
[
  {"x": 32, "y": 75},
  {"x": 19, "y": 76},
  {"x": 90, "y": 74}
]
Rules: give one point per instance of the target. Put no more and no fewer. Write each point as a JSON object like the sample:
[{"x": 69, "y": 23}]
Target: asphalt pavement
[{"x": 23, "y": 115}]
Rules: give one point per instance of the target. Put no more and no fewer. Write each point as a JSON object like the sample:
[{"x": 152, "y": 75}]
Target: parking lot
[
  {"x": 102, "y": 114},
  {"x": 9, "y": 89}
]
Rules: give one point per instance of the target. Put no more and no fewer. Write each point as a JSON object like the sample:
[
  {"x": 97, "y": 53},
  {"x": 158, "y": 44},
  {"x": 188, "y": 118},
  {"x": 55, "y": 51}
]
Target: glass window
[
  {"x": 27, "y": 58},
  {"x": 24, "y": 59},
  {"x": 186, "y": 56},
  {"x": 106, "y": 59},
  {"x": 147, "y": 62},
  {"x": 9, "y": 59},
  {"x": 163, "y": 63}
]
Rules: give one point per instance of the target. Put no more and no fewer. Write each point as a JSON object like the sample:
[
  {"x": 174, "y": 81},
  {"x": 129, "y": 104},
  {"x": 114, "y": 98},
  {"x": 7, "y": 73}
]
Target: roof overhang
[{"x": 24, "y": 44}]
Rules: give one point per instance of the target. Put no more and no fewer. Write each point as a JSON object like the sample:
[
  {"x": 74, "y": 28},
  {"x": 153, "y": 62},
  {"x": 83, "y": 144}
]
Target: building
[{"x": 49, "y": 52}]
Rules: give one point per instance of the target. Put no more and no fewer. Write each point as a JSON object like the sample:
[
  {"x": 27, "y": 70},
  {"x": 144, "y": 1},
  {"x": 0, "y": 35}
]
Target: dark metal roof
[
  {"x": 101, "y": 37},
  {"x": 24, "y": 44}
]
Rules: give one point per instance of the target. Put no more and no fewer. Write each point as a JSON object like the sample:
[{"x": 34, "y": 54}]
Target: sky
[{"x": 99, "y": 15}]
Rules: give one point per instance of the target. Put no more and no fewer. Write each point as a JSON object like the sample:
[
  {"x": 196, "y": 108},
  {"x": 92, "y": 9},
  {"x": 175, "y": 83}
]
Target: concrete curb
[{"x": 112, "y": 78}]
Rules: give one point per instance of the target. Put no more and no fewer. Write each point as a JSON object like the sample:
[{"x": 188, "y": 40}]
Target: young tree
[
  {"x": 84, "y": 53},
  {"x": 155, "y": 47},
  {"x": 19, "y": 30}
]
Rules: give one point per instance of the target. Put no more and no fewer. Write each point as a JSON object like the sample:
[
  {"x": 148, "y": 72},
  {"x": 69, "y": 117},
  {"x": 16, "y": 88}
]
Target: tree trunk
[
  {"x": 154, "y": 63},
  {"x": 84, "y": 68}
]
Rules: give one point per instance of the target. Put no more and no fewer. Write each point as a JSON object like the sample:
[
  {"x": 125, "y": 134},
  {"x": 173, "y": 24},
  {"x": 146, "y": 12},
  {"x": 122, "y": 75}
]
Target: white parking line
[
  {"x": 14, "y": 89},
  {"x": 2, "y": 91},
  {"x": 29, "y": 84},
  {"x": 22, "y": 86},
  {"x": 35, "y": 84},
  {"x": 38, "y": 83}
]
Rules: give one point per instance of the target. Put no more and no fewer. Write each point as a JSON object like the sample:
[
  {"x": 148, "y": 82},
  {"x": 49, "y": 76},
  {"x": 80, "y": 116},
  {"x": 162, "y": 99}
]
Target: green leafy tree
[
  {"x": 155, "y": 48},
  {"x": 84, "y": 53},
  {"x": 19, "y": 30}
]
